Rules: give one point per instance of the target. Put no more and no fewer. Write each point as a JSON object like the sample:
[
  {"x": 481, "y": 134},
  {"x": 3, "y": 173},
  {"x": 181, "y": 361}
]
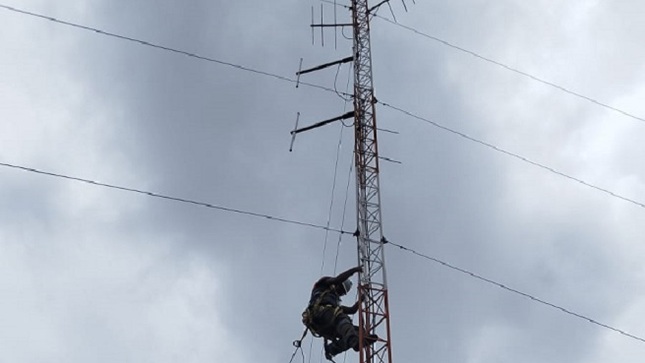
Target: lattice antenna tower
[{"x": 374, "y": 316}]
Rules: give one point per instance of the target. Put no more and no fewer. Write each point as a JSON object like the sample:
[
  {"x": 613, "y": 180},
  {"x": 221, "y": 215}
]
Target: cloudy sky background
[{"x": 93, "y": 274}]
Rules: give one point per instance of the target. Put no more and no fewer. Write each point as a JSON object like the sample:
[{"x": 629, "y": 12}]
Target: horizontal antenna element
[
  {"x": 349, "y": 114},
  {"x": 323, "y": 66}
]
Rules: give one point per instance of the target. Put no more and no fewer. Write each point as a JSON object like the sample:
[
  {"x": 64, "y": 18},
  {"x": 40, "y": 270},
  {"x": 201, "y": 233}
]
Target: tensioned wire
[
  {"x": 233, "y": 210},
  {"x": 497, "y": 63},
  {"x": 172, "y": 198},
  {"x": 512, "y": 69},
  {"x": 333, "y": 192},
  {"x": 287, "y": 79},
  {"x": 514, "y": 155},
  {"x": 349, "y": 176},
  {"x": 313, "y": 225},
  {"x": 165, "y": 48}
]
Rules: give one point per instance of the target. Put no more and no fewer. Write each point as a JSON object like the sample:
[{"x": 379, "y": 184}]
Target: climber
[{"x": 326, "y": 317}]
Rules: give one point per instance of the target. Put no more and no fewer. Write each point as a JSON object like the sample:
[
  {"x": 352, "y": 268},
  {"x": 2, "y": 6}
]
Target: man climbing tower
[{"x": 327, "y": 318}]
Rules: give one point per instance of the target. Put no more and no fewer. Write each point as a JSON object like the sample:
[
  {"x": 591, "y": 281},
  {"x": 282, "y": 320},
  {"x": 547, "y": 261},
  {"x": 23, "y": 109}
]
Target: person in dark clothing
[{"x": 327, "y": 318}]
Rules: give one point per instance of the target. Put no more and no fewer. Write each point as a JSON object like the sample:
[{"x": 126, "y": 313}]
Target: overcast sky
[{"x": 94, "y": 274}]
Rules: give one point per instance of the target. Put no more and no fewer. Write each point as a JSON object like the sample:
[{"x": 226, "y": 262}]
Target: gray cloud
[{"x": 104, "y": 275}]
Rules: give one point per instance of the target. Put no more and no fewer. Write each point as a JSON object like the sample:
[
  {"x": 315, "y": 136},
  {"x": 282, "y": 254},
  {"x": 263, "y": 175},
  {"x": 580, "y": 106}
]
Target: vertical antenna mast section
[
  {"x": 374, "y": 314},
  {"x": 374, "y": 311}
]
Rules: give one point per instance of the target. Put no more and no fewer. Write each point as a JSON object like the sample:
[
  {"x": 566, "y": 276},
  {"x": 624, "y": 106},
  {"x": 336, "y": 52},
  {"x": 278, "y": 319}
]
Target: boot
[
  {"x": 371, "y": 339},
  {"x": 368, "y": 340},
  {"x": 332, "y": 349}
]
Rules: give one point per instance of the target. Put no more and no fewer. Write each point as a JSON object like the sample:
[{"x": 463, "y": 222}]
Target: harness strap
[
  {"x": 298, "y": 343},
  {"x": 313, "y": 310}
]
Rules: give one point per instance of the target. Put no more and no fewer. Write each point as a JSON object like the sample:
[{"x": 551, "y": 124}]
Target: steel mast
[{"x": 374, "y": 315}]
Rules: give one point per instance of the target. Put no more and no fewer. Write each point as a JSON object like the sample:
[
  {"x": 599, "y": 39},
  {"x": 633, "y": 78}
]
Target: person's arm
[
  {"x": 350, "y": 309},
  {"x": 345, "y": 275}
]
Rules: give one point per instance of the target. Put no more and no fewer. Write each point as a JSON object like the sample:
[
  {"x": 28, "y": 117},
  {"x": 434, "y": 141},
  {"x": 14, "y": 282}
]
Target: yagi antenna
[
  {"x": 404, "y": 6},
  {"x": 392, "y": 11},
  {"x": 375, "y": 8},
  {"x": 323, "y": 25}
]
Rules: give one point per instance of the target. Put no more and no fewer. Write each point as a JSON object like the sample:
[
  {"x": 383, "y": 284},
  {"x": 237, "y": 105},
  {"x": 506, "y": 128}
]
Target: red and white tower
[{"x": 374, "y": 316}]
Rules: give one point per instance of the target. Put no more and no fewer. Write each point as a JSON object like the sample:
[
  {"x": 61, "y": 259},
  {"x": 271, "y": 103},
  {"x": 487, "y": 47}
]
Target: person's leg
[
  {"x": 346, "y": 332},
  {"x": 334, "y": 348},
  {"x": 368, "y": 339}
]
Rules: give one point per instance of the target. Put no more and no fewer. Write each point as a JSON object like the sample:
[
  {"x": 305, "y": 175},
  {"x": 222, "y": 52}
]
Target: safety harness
[{"x": 316, "y": 309}]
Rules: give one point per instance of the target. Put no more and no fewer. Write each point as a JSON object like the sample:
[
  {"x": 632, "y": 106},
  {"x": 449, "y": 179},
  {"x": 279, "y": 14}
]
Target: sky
[{"x": 90, "y": 273}]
